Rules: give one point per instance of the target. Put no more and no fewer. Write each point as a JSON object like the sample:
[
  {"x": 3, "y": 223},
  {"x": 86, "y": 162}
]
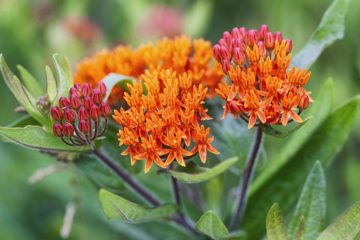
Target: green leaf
[
  {"x": 199, "y": 174},
  {"x": 51, "y": 88},
  {"x": 346, "y": 226},
  {"x": 211, "y": 225},
  {"x": 99, "y": 174},
  {"x": 113, "y": 79},
  {"x": 30, "y": 82},
  {"x": 37, "y": 138},
  {"x": 64, "y": 80},
  {"x": 300, "y": 232},
  {"x": 275, "y": 226},
  {"x": 116, "y": 207},
  {"x": 311, "y": 205},
  {"x": 285, "y": 184},
  {"x": 197, "y": 17},
  {"x": 270, "y": 130},
  {"x": 330, "y": 29}
]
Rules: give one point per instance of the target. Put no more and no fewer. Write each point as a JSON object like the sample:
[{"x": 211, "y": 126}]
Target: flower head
[{"x": 263, "y": 89}]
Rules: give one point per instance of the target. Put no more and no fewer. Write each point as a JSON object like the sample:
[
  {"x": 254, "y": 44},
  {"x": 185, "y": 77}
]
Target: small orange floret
[{"x": 263, "y": 89}]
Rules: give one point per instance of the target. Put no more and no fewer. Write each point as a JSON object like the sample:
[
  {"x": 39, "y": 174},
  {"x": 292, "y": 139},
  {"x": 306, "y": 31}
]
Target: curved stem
[
  {"x": 127, "y": 178},
  {"x": 245, "y": 183}
]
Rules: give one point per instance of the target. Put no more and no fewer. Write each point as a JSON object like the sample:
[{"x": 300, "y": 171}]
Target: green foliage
[
  {"x": 50, "y": 85},
  {"x": 37, "y": 138},
  {"x": 270, "y": 130},
  {"x": 346, "y": 226},
  {"x": 275, "y": 226},
  {"x": 330, "y": 29},
  {"x": 311, "y": 206},
  {"x": 323, "y": 145},
  {"x": 194, "y": 174},
  {"x": 30, "y": 82},
  {"x": 64, "y": 79},
  {"x": 116, "y": 207}
]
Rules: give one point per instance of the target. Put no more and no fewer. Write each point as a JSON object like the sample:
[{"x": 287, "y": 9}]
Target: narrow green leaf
[
  {"x": 275, "y": 226},
  {"x": 211, "y": 225},
  {"x": 30, "y": 82},
  {"x": 116, "y": 207},
  {"x": 37, "y": 138},
  {"x": 270, "y": 130},
  {"x": 285, "y": 184},
  {"x": 346, "y": 226},
  {"x": 311, "y": 205},
  {"x": 300, "y": 232},
  {"x": 200, "y": 174},
  {"x": 51, "y": 88},
  {"x": 330, "y": 29},
  {"x": 113, "y": 79},
  {"x": 64, "y": 80}
]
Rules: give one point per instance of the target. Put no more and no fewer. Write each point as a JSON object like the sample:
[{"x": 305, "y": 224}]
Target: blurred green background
[{"x": 31, "y": 31}]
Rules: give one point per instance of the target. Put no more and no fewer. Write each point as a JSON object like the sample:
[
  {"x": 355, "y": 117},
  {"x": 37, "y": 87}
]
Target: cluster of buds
[
  {"x": 78, "y": 119},
  {"x": 263, "y": 88}
]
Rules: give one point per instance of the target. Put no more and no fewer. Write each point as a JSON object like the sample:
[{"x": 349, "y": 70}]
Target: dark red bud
[
  {"x": 304, "y": 102},
  {"x": 242, "y": 32},
  {"x": 269, "y": 41},
  {"x": 86, "y": 90},
  {"x": 57, "y": 129},
  {"x": 102, "y": 88},
  {"x": 239, "y": 57},
  {"x": 75, "y": 102},
  {"x": 227, "y": 37},
  {"x": 234, "y": 107},
  {"x": 238, "y": 43},
  {"x": 56, "y": 113},
  {"x": 97, "y": 97},
  {"x": 77, "y": 86},
  {"x": 84, "y": 126},
  {"x": 251, "y": 37},
  {"x": 225, "y": 53},
  {"x": 262, "y": 49},
  {"x": 222, "y": 42},
  {"x": 75, "y": 91},
  {"x": 216, "y": 52},
  {"x": 68, "y": 130},
  {"x": 95, "y": 112},
  {"x": 63, "y": 102},
  {"x": 235, "y": 33},
  {"x": 225, "y": 65},
  {"x": 69, "y": 115},
  {"x": 88, "y": 102},
  {"x": 83, "y": 114},
  {"x": 289, "y": 43},
  {"x": 105, "y": 110},
  {"x": 278, "y": 36},
  {"x": 262, "y": 31}
]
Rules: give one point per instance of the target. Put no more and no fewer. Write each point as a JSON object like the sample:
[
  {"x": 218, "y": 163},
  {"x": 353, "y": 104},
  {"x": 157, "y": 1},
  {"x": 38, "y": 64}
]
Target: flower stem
[
  {"x": 246, "y": 180},
  {"x": 127, "y": 178}
]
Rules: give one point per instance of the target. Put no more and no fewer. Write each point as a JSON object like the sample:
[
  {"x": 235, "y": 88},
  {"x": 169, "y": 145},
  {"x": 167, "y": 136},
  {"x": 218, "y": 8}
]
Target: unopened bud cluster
[{"x": 78, "y": 118}]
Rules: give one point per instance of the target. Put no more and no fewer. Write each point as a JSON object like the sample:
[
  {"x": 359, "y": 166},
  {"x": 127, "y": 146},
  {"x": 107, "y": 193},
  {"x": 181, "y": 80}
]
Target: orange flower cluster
[
  {"x": 160, "y": 125},
  {"x": 263, "y": 88},
  {"x": 180, "y": 55}
]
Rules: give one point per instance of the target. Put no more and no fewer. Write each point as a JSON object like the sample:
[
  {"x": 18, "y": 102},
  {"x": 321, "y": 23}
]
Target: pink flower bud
[
  {"x": 239, "y": 57},
  {"x": 251, "y": 37},
  {"x": 238, "y": 43},
  {"x": 63, "y": 102},
  {"x": 95, "y": 112},
  {"x": 225, "y": 65},
  {"x": 216, "y": 52},
  {"x": 242, "y": 32},
  {"x": 86, "y": 90},
  {"x": 225, "y": 53},
  {"x": 75, "y": 102},
  {"x": 102, "y": 88},
  {"x": 262, "y": 49},
  {"x": 289, "y": 43},
  {"x": 57, "y": 129},
  {"x": 235, "y": 33},
  {"x": 227, "y": 37},
  {"x": 278, "y": 36},
  {"x": 68, "y": 130},
  {"x": 88, "y": 102},
  {"x": 77, "y": 86},
  {"x": 262, "y": 31},
  {"x": 269, "y": 41},
  {"x": 75, "y": 91},
  {"x": 97, "y": 97},
  {"x": 105, "y": 110},
  {"x": 304, "y": 102},
  {"x": 84, "y": 126},
  {"x": 83, "y": 114},
  {"x": 69, "y": 115},
  {"x": 56, "y": 113},
  {"x": 222, "y": 42}
]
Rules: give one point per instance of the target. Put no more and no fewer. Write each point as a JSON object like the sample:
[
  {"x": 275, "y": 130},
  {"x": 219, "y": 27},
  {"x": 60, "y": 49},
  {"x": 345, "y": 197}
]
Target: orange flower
[
  {"x": 160, "y": 125},
  {"x": 263, "y": 89},
  {"x": 179, "y": 55}
]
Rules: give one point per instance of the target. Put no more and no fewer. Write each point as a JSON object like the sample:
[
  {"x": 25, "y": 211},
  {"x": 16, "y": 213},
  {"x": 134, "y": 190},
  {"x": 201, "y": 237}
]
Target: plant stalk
[{"x": 246, "y": 180}]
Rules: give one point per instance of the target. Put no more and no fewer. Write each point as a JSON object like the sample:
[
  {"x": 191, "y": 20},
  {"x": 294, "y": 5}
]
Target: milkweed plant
[{"x": 171, "y": 132}]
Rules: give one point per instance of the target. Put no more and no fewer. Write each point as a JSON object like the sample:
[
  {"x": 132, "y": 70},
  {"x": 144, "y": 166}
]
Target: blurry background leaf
[{"x": 211, "y": 225}]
